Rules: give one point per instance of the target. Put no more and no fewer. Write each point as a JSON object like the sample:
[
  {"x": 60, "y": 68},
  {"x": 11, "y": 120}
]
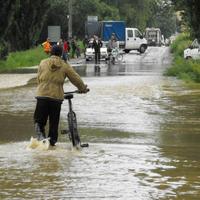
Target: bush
[
  {"x": 182, "y": 42},
  {"x": 188, "y": 70}
]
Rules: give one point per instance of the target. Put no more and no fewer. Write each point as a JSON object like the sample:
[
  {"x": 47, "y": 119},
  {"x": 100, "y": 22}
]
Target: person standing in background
[
  {"x": 85, "y": 43},
  {"x": 47, "y": 46},
  {"x": 73, "y": 45},
  {"x": 97, "y": 44},
  {"x": 65, "y": 55}
]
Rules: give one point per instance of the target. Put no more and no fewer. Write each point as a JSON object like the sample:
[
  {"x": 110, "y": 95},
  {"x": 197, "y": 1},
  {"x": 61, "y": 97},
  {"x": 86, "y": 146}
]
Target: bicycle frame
[{"x": 72, "y": 123}]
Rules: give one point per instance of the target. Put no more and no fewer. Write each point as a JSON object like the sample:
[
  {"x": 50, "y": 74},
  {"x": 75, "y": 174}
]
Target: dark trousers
[
  {"x": 97, "y": 57},
  {"x": 48, "y": 109}
]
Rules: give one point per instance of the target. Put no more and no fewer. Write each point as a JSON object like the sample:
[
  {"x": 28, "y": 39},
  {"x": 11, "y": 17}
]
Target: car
[
  {"x": 193, "y": 51},
  {"x": 89, "y": 53}
]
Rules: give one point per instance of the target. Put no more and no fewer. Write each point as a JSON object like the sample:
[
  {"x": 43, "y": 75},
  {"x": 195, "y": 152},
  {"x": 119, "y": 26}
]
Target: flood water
[{"x": 143, "y": 130}]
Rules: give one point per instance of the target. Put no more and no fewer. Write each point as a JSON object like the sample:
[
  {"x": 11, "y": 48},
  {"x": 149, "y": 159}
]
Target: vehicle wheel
[
  {"x": 119, "y": 57},
  {"x": 188, "y": 58},
  {"x": 126, "y": 50},
  {"x": 142, "y": 48}
]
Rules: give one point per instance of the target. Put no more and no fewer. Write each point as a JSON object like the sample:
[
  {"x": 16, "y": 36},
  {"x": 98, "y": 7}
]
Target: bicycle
[
  {"x": 72, "y": 123},
  {"x": 115, "y": 55}
]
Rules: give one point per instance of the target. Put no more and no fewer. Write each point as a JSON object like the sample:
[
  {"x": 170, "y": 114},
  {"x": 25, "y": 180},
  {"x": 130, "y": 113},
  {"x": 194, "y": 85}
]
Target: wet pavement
[{"x": 143, "y": 130}]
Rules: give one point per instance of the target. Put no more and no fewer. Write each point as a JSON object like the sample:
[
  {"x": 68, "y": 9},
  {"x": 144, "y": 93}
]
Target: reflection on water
[
  {"x": 121, "y": 69},
  {"x": 143, "y": 130}
]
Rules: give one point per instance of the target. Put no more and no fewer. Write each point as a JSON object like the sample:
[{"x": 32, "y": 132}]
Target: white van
[
  {"x": 154, "y": 36},
  {"x": 134, "y": 41}
]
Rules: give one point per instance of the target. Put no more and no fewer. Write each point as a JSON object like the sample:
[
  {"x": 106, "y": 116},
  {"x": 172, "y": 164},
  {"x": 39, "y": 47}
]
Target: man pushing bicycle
[
  {"x": 113, "y": 47},
  {"x": 50, "y": 77}
]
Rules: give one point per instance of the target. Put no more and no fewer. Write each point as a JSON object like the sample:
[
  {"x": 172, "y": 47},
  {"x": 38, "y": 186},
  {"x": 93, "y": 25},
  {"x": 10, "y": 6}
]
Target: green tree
[
  {"x": 81, "y": 9},
  {"x": 135, "y": 13},
  {"x": 165, "y": 17},
  {"x": 57, "y": 16},
  {"x": 25, "y": 21},
  {"x": 191, "y": 15},
  {"x": 91, "y": 7},
  {"x": 21, "y": 22},
  {"x": 7, "y": 11},
  {"x": 29, "y": 18}
]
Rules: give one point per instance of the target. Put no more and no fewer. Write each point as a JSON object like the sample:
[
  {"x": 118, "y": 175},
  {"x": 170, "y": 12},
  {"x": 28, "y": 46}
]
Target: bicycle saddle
[{"x": 68, "y": 96}]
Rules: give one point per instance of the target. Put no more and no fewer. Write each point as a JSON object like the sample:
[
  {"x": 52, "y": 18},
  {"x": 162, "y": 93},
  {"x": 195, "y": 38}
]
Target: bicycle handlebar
[
  {"x": 76, "y": 91},
  {"x": 72, "y": 92}
]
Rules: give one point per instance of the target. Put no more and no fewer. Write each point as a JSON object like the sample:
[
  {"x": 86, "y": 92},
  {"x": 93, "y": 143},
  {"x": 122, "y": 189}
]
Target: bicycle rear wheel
[{"x": 73, "y": 131}]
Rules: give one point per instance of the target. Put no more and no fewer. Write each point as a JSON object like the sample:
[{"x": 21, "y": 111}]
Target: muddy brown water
[{"x": 144, "y": 136}]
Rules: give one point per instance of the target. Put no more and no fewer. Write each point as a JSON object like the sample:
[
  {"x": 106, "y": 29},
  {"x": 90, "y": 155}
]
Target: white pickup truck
[
  {"x": 127, "y": 38},
  {"x": 134, "y": 40}
]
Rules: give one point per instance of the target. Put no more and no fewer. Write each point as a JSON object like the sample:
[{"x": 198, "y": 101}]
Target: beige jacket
[{"x": 51, "y": 76}]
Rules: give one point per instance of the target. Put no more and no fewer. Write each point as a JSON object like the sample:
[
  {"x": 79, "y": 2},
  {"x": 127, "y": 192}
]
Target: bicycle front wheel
[
  {"x": 119, "y": 57},
  {"x": 73, "y": 131}
]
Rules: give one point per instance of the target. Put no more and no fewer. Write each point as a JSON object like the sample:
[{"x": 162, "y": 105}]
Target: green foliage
[
  {"x": 190, "y": 15},
  {"x": 82, "y": 9},
  {"x": 25, "y": 22},
  {"x": 188, "y": 70},
  {"x": 26, "y": 58},
  {"x": 165, "y": 18},
  {"x": 181, "y": 43},
  {"x": 57, "y": 15},
  {"x": 135, "y": 14},
  {"x": 141, "y": 14}
]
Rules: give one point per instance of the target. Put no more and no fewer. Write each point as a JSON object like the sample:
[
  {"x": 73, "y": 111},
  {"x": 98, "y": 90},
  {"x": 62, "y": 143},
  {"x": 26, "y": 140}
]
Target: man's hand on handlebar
[{"x": 85, "y": 90}]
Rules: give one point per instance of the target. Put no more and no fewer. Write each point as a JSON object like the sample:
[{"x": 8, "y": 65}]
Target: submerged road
[{"x": 143, "y": 130}]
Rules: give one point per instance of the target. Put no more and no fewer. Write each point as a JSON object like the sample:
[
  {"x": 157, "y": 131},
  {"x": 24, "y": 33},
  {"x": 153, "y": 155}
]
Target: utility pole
[{"x": 70, "y": 19}]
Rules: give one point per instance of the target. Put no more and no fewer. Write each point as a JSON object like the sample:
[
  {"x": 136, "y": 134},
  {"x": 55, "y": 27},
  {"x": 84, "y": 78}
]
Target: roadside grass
[
  {"x": 19, "y": 59},
  {"x": 27, "y": 58},
  {"x": 187, "y": 70}
]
